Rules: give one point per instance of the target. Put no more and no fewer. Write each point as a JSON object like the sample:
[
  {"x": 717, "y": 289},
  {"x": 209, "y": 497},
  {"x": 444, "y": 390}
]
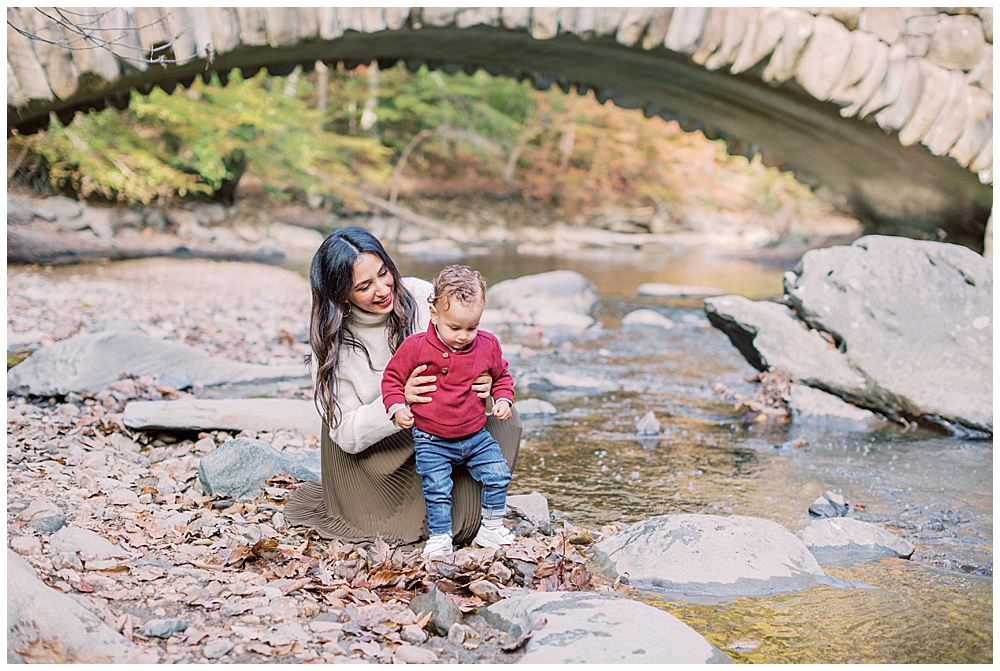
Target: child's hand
[
  {"x": 501, "y": 410},
  {"x": 403, "y": 418}
]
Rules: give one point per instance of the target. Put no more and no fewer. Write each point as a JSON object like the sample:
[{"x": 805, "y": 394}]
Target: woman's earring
[{"x": 347, "y": 308}]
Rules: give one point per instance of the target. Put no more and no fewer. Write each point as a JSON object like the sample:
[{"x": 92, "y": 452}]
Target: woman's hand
[
  {"x": 482, "y": 385},
  {"x": 417, "y": 384}
]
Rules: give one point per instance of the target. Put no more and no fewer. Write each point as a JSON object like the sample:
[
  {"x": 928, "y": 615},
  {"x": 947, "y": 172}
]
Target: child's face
[{"x": 457, "y": 322}]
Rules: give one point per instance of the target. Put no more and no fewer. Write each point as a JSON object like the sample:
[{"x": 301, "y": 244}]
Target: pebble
[
  {"x": 164, "y": 628},
  {"x": 411, "y": 633},
  {"x": 500, "y": 571},
  {"x": 124, "y": 497},
  {"x": 26, "y": 546},
  {"x": 216, "y": 648},
  {"x": 409, "y": 654},
  {"x": 485, "y": 590}
]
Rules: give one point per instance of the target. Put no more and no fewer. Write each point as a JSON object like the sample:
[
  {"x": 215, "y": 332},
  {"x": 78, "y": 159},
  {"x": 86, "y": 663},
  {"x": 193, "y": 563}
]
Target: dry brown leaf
[
  {"x": 264, "y": 545},
  {"x": 424, "y": 619},
  {"x": 239, "y": 555}
]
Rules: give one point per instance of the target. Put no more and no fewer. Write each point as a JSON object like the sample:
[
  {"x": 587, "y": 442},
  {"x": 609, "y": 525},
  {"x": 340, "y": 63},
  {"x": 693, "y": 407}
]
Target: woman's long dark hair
[{"x": 331, "y": 277}]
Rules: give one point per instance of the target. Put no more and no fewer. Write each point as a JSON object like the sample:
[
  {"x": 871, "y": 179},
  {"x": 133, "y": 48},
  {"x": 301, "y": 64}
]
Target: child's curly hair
[{"x": 459, "y": 282}]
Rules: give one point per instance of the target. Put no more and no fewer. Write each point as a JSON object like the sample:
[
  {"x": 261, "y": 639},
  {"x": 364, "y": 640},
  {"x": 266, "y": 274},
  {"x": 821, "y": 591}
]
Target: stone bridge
[{"x": 886, "y": 112}]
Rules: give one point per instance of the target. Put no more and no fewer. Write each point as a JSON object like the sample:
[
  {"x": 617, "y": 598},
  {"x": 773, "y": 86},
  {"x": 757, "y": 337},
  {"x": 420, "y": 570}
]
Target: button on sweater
[{"x": 456, "y": 410}]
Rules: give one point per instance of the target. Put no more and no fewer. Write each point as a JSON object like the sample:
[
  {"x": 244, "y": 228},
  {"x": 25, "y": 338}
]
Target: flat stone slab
[
  {"x": 88, "y": 543},
  {"x": 45, "y": 625},
  {"x": 239, "y": 467},
  {"x": 533, "y": 507},
  {"x": 815, "y": 407},
  {"x": 556, "y": 290},
  {"x": 693, "y": 557},
  {"x": 89, "y": 363},
  {"x": 842, "y": 540},
  {"x": 588, "y": 628},
  {"x": 246, "y": 414}
]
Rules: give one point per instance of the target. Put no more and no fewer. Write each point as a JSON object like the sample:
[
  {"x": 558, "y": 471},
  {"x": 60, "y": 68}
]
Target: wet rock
[
  {"x": 43, "y": 516},
  {"x": 46, "y": 626},
  {"x": 550, "y": 381},
  {"x": 444, "y": 612},
  {"x": 534, "y": 407},
  {"x": 411, "y": 633},
  {"x": 648, "y": 425},
  {"x": 88, "y": 543},
  {"x": 647, "y": 318},
  {"x": 164, "y": 628},
  {"x": 533, "y": 507},
  {"x": 676, "y": 290},
  {"x": 914, "y": 317},
  {"x": 246, "y": 414},
  {"x": 88, "y": 363},
  {"x": 217, "y": 648},
  {"x": 585, "y": 628},
  {"x": 26, "y": 545},
  {"x": 815, "y": 407},
  {"x": 830, "y": 504},
  {"x": 846, "y": 541},
  {"x": 239, "y": 467},
  {"x": 710, "y": 556}
]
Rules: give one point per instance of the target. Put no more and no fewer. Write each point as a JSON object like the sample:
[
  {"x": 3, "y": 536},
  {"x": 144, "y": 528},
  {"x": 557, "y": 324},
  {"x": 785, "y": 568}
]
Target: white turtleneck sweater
[{"x": 364, "y": 420}]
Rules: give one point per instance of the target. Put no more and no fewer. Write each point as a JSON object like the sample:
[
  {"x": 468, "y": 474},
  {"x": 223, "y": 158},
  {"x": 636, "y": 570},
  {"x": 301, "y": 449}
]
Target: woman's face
[{"x": 372, "y": 290}]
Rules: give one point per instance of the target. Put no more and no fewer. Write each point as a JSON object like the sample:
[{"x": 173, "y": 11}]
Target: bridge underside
[{"x": 892, "y": 189}]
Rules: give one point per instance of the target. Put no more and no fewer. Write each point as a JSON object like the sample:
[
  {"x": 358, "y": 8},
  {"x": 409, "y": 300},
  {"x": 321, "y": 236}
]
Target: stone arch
[{"x": 887, "y": 112}]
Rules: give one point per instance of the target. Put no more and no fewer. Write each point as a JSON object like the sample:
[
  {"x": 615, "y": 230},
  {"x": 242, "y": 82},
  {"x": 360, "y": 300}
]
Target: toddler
[{"x": 449, "y": 430}]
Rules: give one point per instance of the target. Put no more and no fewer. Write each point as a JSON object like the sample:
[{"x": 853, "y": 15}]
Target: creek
[{"x": 936, "y": 491}]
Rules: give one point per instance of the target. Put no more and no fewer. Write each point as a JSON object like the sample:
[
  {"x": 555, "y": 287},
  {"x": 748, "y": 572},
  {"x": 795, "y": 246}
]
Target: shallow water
[{"x": 934, "y": 490}]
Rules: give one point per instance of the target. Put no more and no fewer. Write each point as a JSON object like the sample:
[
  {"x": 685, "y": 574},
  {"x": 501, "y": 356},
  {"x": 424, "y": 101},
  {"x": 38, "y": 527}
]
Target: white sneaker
[
  {"x": 493, "y": 537},
  {"x": 437, "y": 546}
]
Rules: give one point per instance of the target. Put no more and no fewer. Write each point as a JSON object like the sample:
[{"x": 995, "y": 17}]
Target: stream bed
[{"x": 934, "y": 490}]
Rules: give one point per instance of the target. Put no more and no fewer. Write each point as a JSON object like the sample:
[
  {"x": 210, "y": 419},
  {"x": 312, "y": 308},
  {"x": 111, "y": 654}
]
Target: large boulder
[
  {"x": 587, "y": 628},
  {"x": 912, "y": 321},
  {"x": 697, "y": 556},
  {"x": 842, "y": 540},
  {"x": 916, "y": 317},
  {"x": 240, "y": 467},
  {"x": 46, "y": 626},
  {"x": 244, "y": 414},
  {"x": 814, "y": 407},
  {"x": 88, "y": 363},
  {"x": 556, "y": 290}
]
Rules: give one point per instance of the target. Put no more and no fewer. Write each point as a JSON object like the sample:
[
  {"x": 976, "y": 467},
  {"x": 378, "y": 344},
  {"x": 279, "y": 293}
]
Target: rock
[
  {"x": 19, "y": 339},
  {"x": 411, "y": 633},
  {"x": 58, "y": 207},
  {"x": 46, "y": 626},
  {"x": 43, "y": 516},
  {"x": 830, "y": 504},
  {"x": 647, "y": 318},
  {"x": 26, "y": 545},
  {"x": 648, "y": 425},
  {"x": 556, "y": 290},
  {"x": 770, "y": 337},
  {"x": 533, "y": 507},
  {"x": 217, "y": 648},
  {"x": 456, "y": 634},
  {"x": 710, "y": 556},
  {"x": 914, "y": 318},
  {"x": 444, "y": 612},
  {"x": 409, "y": 654},
  {"x": 485, "y": 590},
  {"x": 88, "y": 363},
  {"x": 101, "y": 221},
  {"x": 676, "y": 290},
  {"x": 18, "y": 212},
  {"x": 67, "y": 561},
  {"x": 115, "y": 324},
  {"x": 164, "y": 628},
  {"x": 239, "y": 467},
  {"x": 585, "y": 628},
  {"x": 244, "y": 414},
  {"x": 525, "y": 571},
  {"x": 533, "y": 407},
  {"x": 176, "y": 380},
  {"x": 957, "y": 42},
  {"x": 432, "y": 250},
  {"x": 500, "y": 571},
  {"x": 550, "y": 381},
  {"x": 814, "y": 407},
  {"x": 124, "y": 497},
  {"x": 824, "y": 58},
  {"x": 845, "y": 541},
  {"x": 88, "y": 543}
]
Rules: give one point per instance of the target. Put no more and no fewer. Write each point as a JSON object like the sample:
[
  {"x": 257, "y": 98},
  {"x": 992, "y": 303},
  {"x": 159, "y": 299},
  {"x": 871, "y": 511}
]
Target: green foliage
[{"x": 190, "y": 143}]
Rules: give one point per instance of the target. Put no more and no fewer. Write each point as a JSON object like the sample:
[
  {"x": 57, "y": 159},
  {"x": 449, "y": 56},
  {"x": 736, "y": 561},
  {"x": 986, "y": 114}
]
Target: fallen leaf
[
  {"x": 288, "y": 586},
  {"x": 81, "y": 585},
  {"x": 580, "y": 576},
  {"x": 263, "y": 649},
  {"x": 239, "y": 555},
  {"x": 424, "y": 619},
  {"x": 264, "y": 545}
]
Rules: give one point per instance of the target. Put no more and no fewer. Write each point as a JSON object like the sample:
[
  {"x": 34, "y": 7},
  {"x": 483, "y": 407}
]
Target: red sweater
[{"x": 456, "y": 410}]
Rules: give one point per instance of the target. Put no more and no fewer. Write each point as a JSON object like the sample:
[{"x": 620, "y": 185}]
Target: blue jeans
[{"x": 480, "y": 454}]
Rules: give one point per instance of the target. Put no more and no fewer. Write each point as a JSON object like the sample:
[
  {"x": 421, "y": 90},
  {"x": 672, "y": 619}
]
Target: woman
[{"x": 361, "y": 312}]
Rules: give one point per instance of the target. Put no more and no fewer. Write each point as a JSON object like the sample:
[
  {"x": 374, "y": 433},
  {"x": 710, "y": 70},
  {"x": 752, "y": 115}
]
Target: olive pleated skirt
[{"x": 377, "y": 492}]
